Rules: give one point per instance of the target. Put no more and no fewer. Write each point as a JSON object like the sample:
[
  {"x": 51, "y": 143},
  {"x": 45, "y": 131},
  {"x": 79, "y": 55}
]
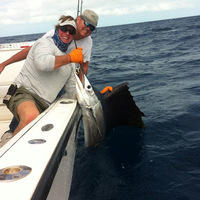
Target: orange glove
[
  {"x": 106, "y": 89},
  {"x": 76, "y": 55}
]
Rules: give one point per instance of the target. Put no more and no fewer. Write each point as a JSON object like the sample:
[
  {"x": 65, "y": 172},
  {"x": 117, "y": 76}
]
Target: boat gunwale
[{"x": 44, "y": 185}]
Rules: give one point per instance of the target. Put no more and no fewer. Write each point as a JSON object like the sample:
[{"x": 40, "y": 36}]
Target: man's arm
[
  {"x": 63, "y": 60},
  {"x": 15, "y": 58},
  {"x": 76, "y": 56}
]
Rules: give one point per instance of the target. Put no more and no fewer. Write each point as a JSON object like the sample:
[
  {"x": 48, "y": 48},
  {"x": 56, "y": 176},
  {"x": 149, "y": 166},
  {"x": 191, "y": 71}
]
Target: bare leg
[{"x": 27, "y": 112}]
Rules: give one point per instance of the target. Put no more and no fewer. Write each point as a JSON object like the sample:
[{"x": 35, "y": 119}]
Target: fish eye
[{"x": 88, "y": 87}]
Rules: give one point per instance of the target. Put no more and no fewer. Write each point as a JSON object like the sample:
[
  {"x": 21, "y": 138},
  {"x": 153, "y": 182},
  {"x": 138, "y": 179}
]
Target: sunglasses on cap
[
  {"x": 92, "y": 28},
  {"x": 65, "y": 29}
]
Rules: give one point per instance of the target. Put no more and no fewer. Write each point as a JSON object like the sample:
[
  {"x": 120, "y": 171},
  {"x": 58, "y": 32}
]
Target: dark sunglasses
[
  {"x": 92, "y": 28},
  {"x": 71, "y": 30}
]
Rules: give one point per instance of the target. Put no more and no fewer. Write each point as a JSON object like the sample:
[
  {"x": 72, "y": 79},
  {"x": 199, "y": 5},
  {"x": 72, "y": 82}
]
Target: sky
[{"x": 21, "y": 17}]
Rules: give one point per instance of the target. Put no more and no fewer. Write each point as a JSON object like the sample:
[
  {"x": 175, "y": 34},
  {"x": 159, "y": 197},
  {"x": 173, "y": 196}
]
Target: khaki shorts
[{"x": 22, "y": 95}]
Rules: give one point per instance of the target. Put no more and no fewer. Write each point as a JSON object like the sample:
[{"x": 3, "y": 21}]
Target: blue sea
[{"x": 161, "y": 62}]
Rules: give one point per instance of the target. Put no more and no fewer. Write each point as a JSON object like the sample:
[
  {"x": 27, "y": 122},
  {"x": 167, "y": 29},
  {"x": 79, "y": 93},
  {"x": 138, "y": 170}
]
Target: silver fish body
[{"x": 92, "y": 112}]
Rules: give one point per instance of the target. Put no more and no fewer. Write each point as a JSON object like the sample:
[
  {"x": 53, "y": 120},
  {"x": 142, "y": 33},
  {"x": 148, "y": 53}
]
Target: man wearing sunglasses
[
  {"x": 86, "y": 23},
  {"x": 46, "y": 71}
]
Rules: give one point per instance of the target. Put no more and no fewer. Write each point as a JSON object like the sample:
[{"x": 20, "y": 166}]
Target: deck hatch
[{"x": 14, "y": 173}]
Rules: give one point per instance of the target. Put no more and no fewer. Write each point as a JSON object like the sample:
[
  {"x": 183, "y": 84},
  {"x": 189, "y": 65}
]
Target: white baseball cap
[{"x": 67, "y": 22}]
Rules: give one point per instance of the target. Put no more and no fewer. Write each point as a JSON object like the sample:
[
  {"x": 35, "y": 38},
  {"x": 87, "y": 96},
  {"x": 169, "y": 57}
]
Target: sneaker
[{"x": 5, "y": 137}]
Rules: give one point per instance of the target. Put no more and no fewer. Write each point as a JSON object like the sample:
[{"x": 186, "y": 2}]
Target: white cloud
[
  {"x": 142, "y": 6},
  {"x": 40, "y": 11},
  {"x": 167, "y": 6},
  {"x": 34, "y": 11}
]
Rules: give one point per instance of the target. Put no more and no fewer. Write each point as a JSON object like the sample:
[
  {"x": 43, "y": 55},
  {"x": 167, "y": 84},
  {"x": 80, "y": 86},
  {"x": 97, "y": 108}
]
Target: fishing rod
[
  {"x": 79, "y": 7},
  {"x": 80, "y": 67},
  {"x": 79, "y": 12}
]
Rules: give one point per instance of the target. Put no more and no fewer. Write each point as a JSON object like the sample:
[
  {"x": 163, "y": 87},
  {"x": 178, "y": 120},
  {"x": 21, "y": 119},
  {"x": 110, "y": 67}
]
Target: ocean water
[{"x": 161, "y": 62}]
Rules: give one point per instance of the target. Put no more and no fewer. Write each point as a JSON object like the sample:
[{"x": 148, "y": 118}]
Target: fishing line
[
  {"x": 79, "y": 12},
  {"x": 80, "y": 67}
]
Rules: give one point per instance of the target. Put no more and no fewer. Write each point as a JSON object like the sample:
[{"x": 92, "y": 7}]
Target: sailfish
[{"x": 102, "y": 111}]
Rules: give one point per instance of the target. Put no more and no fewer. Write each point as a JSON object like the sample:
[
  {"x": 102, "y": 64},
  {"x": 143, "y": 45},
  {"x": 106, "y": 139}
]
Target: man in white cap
[
  {"x": 86, "y": 23},
  {"x": 46, "y": 70}
]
